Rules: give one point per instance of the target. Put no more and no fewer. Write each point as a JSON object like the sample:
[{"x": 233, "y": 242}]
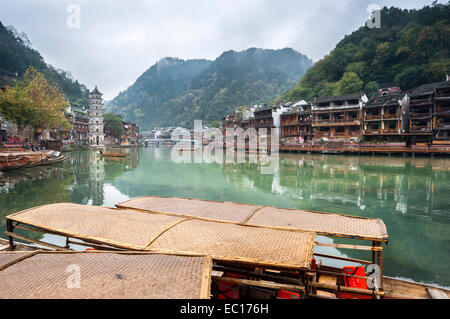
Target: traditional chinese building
[
  {"x": 268, "y": 119},
  {"x": 79, "y": 118},
  {"x": 96, "y": 134},
  {"x": 130, "y": 134},
  {"x": 383, "y": 117},
  {"x": 338, "y": 117},
  {"x": 296, "y": 124},
  {"x": 441, "y": 120},
  {"x": 420, "y": 114}
]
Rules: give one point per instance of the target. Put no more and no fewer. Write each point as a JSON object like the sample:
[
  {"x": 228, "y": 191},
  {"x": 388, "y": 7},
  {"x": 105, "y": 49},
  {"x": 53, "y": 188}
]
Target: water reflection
[
  {"x": 409, "y": 194},
  {"x": 82, "y": 179}
]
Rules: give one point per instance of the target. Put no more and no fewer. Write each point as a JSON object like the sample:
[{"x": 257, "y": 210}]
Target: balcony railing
[
  {"x": 337, "y": 121},
  {"x": 322, "y": 121},
  {"x": 443, "y": 125},
  {"x": 419, "y": 101},
  {"x": 321, "y": 134},
  {"x": 374, "y": 131},
  {"x": 420, "y": 128},
  {"x": 285, "y": 123},
  {"x": 373, "y": 117},
  {"x": 419, "y": 114},
  {"x": 443, "y": 109},
  {"x": 391, "y": 115}
]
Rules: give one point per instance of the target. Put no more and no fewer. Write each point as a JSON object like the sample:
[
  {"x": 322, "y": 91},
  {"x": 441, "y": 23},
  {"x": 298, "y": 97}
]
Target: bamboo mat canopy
[
  {"x": 103, "y": 275},
  {"x": 254, "y": 215},
  {"x": 136, "y": 230}
]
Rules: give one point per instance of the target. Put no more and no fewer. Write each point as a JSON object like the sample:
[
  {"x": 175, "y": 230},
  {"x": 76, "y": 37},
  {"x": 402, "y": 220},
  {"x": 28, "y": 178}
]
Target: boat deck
[
  {"x": 103, "y": 275},
  {"x": 137, "y": 230},
  {"x": 272, "y": 247},
  {"x": 327, "y": 224}
]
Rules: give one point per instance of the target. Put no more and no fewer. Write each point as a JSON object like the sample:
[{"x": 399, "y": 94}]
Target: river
[{"x": 411, "y": 195}]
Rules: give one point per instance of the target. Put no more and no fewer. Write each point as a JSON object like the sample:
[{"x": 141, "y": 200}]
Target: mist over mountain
[{"x": 176, "y": 92}]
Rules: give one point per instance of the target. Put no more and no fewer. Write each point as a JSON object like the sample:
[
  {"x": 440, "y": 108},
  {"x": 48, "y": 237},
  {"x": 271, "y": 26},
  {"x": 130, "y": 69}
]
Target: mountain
[
  {"x": 17, "y": 54},
  {"x": 176, "y": 92},
  {"x": 411, "y": 48}
]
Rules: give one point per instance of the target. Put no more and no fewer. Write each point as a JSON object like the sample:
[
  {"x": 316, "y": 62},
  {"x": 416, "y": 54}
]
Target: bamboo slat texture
[
  {"x": 321, "y": 223},
  {"x": 53, "y": 275},
  {"x": 225, "y": 211},
  {"x": 136, "y": 230},
  {"x": 112, "y": 226},
  {"x": 239, "y": 243}
]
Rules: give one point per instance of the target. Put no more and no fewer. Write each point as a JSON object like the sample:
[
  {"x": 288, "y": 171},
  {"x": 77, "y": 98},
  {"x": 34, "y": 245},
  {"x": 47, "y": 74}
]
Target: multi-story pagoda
[{"x": 96, "y": 133}]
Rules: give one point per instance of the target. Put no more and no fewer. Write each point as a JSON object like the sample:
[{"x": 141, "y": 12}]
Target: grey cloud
[{"x": 118, "y": 40}]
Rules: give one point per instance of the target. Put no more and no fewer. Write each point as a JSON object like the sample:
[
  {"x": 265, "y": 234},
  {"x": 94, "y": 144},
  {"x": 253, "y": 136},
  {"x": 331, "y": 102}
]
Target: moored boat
[{"x": 257, "y": 251}]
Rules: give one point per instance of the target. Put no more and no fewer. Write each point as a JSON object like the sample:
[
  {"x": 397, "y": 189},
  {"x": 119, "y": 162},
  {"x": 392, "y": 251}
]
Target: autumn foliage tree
[{"x": 35, "y": 103}]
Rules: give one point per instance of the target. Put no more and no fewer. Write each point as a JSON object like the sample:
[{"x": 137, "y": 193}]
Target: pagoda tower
[{"x": 96, "y": 132}]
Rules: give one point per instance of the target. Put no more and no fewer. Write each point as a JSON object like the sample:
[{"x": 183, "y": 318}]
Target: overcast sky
[{"x": 117, "y": 40}]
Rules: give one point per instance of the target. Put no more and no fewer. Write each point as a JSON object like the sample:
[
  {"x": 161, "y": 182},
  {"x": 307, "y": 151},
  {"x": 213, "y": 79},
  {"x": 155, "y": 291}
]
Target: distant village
[
  {"x": 417, "y": 117},
  {"x": 88, "y": 126}
]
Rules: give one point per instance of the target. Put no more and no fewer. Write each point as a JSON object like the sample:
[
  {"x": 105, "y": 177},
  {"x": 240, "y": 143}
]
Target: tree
[
  {"x": 411, "y": 48},
  {"x": 35, "y": 103},
  {"x": 240, "y": 111},
  {"x": 113, "y": 123},
  {"x": 350, "y": 83},
  {"x": 410, "y": 77},
  {"x": 215, "y": 124},
  {"x": 371, "y": 88},
  {"x": 329, "y": 89}
]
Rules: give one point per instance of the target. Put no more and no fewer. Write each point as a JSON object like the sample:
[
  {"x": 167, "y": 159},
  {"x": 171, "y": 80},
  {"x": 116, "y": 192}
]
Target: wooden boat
[
  {"x": 14, "y": 160},
  {"x": 4, "y": 246},
  {"x": 52, "y": 160},
  {"x": 113, "y": 154},
  {"x": 240, "y": 240},
  {"x": 132, "y": 275}
]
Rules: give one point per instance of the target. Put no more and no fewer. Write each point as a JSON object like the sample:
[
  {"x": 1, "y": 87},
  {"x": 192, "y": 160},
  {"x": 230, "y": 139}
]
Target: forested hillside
[
  {"x": 411, "y": 48},
  {"x": 17, "y": 54},
  {"x": 175, "y": 92}
]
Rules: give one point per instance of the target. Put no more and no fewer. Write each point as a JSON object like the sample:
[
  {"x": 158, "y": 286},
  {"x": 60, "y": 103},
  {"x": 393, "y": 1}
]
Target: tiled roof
[
  {"x": 353, "y": 96},
  {"x": 389, "y": 99},
  {"x": 430, "y": 87},
  {"x": 96, "y": 91}
]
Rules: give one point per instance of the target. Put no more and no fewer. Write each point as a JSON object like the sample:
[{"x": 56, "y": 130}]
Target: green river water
[{"x": 411, "y": 195}]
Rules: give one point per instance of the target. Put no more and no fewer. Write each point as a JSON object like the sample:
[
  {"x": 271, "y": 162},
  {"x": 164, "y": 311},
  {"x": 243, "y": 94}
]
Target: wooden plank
[
  {"x": 327, "y": 279},
  {"x": 101, "y": 247},
  {"x": 4, "y": 247},
  {"x": 345, "y": 289},
  {"x": 258, "y": 283},
  {"x": 437, "y": 294},
  {"x": 359, "y": 261},
  {"x": 23, "y": 257},
  {"x": 35, "y": 241},
  {"x": 206, "y": 279},
  {"x": 345, "y": 246},
  {"x": 165, "y": 230}
]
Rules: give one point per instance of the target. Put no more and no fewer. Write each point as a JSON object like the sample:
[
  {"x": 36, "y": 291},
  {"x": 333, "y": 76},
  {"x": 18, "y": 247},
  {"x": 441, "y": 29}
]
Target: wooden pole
[
  {"x": 373, "y": 253},
  {"x": 10, "y": 229},
  {"x": 257, "y": 283},
  {"x": 380, "y": 263},
  {"x": 338, "y": 288}
]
